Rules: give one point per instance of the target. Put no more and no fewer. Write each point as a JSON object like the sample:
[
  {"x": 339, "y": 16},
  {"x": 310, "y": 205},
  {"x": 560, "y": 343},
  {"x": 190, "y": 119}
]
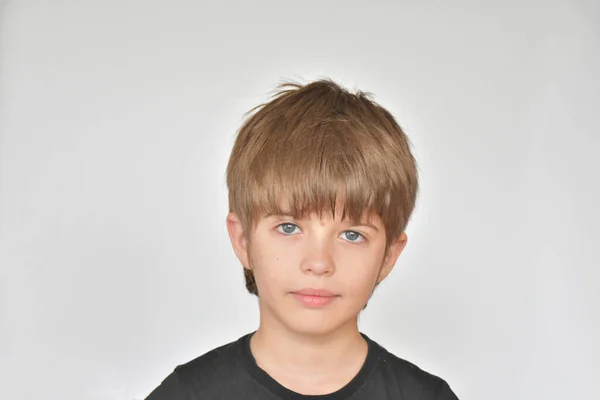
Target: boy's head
[{"x": 324, "y": 162}]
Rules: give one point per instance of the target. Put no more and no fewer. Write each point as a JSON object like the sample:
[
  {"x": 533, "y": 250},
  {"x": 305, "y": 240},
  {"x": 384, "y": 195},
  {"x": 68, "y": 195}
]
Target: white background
[{"x": 116, "y": 122}]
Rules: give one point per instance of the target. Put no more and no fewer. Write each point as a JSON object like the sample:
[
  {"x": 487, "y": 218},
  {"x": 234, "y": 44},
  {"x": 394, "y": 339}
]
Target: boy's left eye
[
  {"x": 353, "y": 236},
  {"x": 287, "y": 228}
]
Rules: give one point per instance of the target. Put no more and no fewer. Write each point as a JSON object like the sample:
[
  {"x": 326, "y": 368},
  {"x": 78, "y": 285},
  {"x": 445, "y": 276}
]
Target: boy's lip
[{"x": 315, "y": 292}]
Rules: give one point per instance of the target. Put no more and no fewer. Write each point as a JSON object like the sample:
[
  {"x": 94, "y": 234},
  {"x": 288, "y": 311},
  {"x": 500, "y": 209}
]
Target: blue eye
[
  {"x": 287, "y": 228},
  {"x": 353, "y": 236}
]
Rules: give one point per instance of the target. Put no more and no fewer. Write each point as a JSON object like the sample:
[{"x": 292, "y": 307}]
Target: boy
[{"x": 321, "y": 184}]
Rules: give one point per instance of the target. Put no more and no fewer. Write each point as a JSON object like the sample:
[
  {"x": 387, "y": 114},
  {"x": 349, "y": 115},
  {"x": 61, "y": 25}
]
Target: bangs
[{"x": 329, "y": 171}]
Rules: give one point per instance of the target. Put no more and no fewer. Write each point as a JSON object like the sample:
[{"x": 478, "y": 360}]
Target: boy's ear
[
  {"x": 392, "y": 255},
  {"x": 238, "y": 239}
]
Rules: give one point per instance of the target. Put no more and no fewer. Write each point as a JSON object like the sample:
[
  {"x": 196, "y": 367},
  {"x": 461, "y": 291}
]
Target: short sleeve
[{"x": 172, "y": 388}]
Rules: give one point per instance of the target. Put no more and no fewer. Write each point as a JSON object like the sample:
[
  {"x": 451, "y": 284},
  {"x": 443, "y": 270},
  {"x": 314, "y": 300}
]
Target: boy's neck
[{"x": 298, "y": 360}]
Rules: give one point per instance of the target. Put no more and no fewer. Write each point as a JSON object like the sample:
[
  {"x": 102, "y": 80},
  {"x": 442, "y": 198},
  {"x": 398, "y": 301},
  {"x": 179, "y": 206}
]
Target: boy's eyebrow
[{"x": 289, "y": 215}]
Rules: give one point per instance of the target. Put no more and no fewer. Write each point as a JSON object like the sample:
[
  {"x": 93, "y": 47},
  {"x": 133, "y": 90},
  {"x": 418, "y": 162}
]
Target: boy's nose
[{"x": 318, "y": 260}]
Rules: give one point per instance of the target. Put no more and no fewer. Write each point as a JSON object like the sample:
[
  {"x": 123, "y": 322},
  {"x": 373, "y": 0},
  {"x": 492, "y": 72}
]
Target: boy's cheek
[
  {"x": 275, "y": 274},
  {"x": 359, "y": 278}
]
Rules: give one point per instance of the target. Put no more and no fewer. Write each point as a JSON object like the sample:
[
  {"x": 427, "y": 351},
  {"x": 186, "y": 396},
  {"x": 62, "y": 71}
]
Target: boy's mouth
[
  {"x": 314, "y": 297},
  {"x": 315, "y": 292}
]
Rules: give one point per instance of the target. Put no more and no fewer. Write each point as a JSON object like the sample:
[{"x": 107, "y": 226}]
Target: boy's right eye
[{"x": 287, "y": 228}]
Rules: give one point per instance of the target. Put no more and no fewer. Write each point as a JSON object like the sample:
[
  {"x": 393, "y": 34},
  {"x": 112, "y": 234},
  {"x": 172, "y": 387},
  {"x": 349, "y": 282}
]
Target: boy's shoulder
[
  {"x": 205, "y": 375},
  {"x": 407, "y": 374},
  {"x": 219, "y": 361}
]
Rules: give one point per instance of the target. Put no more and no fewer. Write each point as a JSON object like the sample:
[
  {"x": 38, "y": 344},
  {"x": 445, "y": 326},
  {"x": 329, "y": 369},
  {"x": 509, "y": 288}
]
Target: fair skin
[{"x": 313, "y": 350}]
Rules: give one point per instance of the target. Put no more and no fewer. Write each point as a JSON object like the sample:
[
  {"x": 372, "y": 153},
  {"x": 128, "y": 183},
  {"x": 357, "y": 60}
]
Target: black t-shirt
[{"x": 230, "y": 372}]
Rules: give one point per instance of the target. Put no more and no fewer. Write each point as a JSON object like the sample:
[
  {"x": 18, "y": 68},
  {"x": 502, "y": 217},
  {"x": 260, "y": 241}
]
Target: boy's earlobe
[
  {"x": 392, "y": 255},
  {"x": 238, "y": 239}
]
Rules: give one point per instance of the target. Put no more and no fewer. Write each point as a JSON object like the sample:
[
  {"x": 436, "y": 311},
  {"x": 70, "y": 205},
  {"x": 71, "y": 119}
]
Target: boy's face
[{"x": 288, "y": 255}]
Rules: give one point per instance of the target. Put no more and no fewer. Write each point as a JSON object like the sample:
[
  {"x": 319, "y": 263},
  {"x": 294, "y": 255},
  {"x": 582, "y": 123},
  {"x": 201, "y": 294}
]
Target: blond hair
[{"x": 317, "y": 144}]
